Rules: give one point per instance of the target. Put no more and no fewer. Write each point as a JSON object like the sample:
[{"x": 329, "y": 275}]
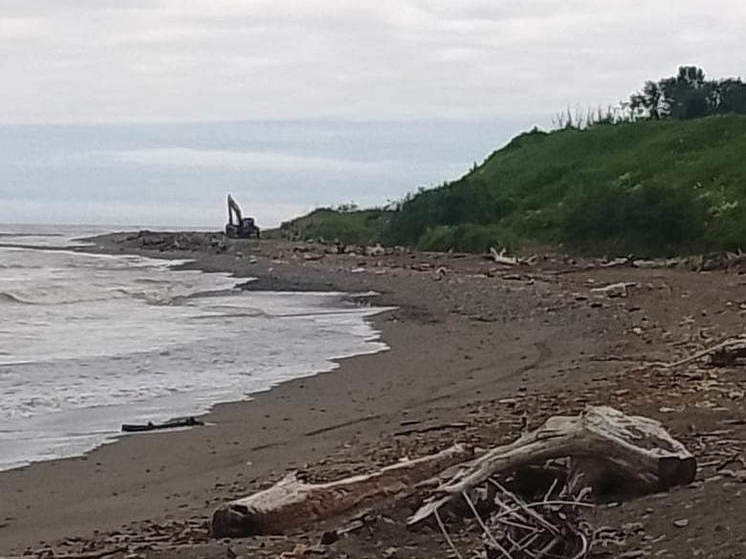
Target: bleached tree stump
[
  {"x": 292, "y": 504},
  {"x": 600, "y": 438}
]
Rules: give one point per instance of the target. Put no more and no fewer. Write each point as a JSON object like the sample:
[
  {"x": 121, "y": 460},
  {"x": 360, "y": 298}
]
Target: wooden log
[
  {"x": 292, "y": 504},
  {"x": 614, "y": 290},
  {"x": 636, "y": 448},
  {"x": 501, "y": 258},
  {"x": 724, "y": 347}
]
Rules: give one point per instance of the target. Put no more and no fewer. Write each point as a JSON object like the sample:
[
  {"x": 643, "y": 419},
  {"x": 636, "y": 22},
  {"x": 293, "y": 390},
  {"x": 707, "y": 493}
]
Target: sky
[{"x": 505, "y": 64}]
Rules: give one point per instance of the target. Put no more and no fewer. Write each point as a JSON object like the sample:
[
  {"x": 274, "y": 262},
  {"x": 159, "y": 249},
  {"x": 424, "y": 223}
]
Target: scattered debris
[
  {"x": 91, "y": 554},
  {"x": 549, "y": 527}
]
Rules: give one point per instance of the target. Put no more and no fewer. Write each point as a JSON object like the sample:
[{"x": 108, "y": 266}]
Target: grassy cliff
[{"x": 650, "y": 187}]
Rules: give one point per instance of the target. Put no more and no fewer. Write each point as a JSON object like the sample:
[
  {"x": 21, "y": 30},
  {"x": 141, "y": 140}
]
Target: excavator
[{"x": 244, "y": 227}]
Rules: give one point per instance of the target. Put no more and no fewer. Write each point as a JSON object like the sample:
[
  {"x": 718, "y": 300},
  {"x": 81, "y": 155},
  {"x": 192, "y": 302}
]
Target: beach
[{"x": 478, "y": 351}]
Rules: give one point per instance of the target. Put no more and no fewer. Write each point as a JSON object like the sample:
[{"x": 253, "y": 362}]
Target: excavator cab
[{"x": 239, "y": 227}]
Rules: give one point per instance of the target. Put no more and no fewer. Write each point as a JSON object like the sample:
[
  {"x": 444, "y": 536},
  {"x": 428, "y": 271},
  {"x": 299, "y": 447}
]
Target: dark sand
[{"x": 489, "y": 347}]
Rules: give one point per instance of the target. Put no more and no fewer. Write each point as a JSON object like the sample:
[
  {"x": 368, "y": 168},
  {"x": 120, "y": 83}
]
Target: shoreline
[
  {"x": 333, "y": 363},
  {"x": 367, "y": 341},
  {"x": 19, "y": 476},
  {"x": 477, "y": 352}
]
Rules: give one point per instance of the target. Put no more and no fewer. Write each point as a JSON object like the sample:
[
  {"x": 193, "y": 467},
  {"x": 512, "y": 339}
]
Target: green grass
[
  {"x": 329, "y": 225},
  {"x": 649, "y": 187}
]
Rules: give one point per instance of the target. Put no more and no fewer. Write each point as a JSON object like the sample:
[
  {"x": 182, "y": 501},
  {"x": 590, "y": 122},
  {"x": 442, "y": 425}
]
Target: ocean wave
[
  {"x": 150, "y": 298},
  {"x": 14, "y": 299},
  {"x": 163, "y": 299}
]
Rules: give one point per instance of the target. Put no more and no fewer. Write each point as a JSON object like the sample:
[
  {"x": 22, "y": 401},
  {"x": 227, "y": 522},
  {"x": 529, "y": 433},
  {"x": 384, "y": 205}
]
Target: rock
[
  {"x": 376, "y": 250},
  {"x": 681, "y": 523},
  {"x": 632, "y": 527},
  {"x": 439, "y": 273},
  {"x": 329, "y": 537}
]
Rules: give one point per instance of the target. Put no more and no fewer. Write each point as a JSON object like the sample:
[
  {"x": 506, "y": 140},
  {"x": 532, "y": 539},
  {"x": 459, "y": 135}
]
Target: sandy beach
[{"x": 478, "y": 352}]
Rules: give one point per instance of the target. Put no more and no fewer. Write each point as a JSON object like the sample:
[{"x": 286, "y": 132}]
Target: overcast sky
[{"x": 145, "y": 60}]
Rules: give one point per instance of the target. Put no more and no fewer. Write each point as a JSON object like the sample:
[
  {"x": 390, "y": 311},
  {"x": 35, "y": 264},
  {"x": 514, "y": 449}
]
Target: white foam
[{"x": 89, "y": 342}]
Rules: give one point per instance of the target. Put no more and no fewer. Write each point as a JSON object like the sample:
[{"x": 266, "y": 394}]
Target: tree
[
  {"x": 729, "y": 96},
  {"x": 649, "y": 101},
  {"x": 689, "y": 95},
  {"x": 686, "y": 95}
]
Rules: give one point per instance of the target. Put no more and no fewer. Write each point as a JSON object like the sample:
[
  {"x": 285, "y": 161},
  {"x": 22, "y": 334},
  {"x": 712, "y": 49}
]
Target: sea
[{"x": 89, "y": 342}]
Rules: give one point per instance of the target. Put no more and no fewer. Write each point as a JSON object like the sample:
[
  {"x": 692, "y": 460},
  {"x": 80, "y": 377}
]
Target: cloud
[{"x": 100, "y": 60}]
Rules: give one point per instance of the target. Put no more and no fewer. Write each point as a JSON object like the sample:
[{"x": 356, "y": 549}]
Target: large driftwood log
[
  {"x": 636, "y": 448},
  {"x": 600, "y": 440},
  {"x": 291, "y": 504}
]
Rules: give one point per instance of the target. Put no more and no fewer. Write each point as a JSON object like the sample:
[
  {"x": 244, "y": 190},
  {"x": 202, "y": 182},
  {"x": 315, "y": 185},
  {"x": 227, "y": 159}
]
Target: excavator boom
[
  {"x": 233, "y": 209},
  {"x": 244, "y": 227}
]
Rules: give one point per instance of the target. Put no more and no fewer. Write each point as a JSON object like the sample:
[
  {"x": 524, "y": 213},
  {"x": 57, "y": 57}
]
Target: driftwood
[
  {"x": 291, "y": 504},
  {"x": 602, "y": 440},
  {"x": 501, "y": 258},
  {"x": 615, "y": 289},
  {"x": 551, "y": 526},
  {"x": 726, "y": 352},
  {"x": 623, "y": 261},
  {"x": 51, "y": 554},
  {"x": 170, "y": 424}
]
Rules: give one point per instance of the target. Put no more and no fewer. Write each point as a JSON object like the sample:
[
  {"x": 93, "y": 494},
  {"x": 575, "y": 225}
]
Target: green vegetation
[
  {"x": 653, "y": 187},
  {"x": 345, "y": 224},
  {"x": 652, "y": 181}
]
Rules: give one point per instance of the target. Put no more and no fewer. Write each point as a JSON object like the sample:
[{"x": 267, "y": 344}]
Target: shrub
[{"x": 634, "y": 217}]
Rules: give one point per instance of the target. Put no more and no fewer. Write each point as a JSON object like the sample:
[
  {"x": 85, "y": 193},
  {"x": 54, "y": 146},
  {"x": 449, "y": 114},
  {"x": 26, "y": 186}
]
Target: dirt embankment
[{"x": 479, "y": 352}]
